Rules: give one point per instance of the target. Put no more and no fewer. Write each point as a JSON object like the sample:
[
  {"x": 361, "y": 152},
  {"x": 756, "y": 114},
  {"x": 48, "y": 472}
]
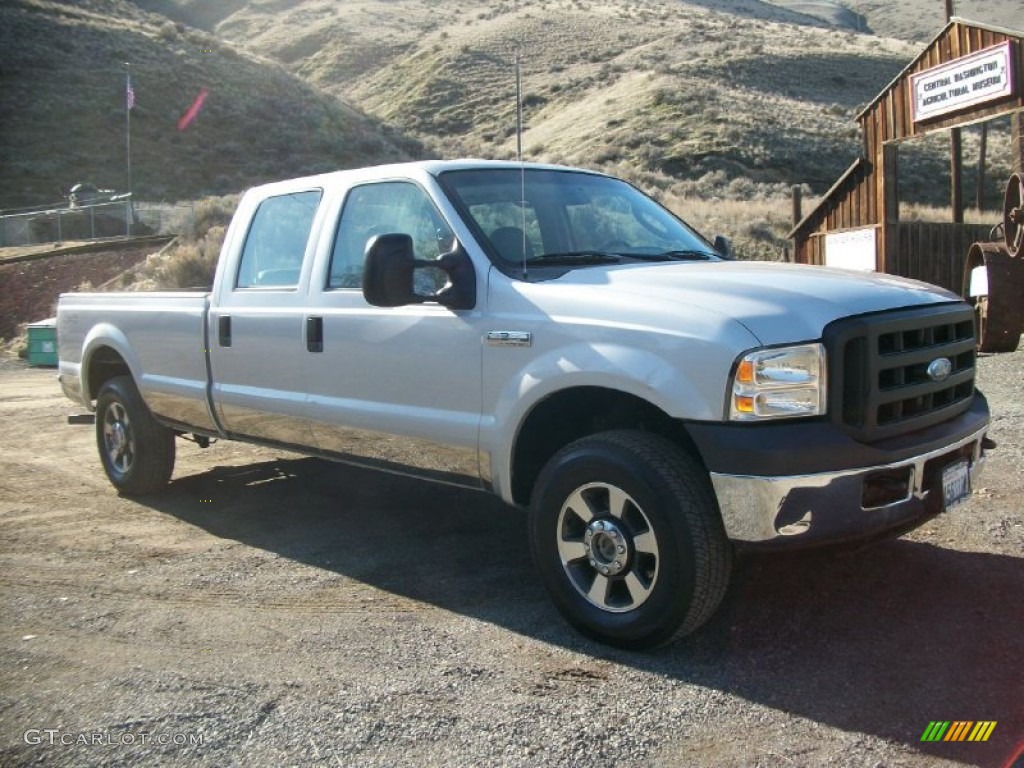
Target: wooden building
[{"x": 970, "y": 73}]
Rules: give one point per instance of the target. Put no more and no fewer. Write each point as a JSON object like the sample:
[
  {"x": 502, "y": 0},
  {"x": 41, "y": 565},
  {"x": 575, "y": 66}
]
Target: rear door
[{"x": 256, "y": 332}]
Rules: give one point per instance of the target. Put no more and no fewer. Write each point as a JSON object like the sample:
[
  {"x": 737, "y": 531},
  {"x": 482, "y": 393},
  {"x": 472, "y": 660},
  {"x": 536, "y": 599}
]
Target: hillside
[
  {"x": 682, "y": 95},
  {"x": 921, "y": 20},
  {"x": 702, "y": 97},
  {"x": 660, "y": 88},
  {"x": 916, "y": 20},
  {"x": 62, "y": 116},
  {"x": 695, "y": 99}
]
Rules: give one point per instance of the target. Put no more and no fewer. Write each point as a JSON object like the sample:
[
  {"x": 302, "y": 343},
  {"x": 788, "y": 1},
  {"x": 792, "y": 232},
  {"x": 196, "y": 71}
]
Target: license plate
[{"x": 956, "y": 484}]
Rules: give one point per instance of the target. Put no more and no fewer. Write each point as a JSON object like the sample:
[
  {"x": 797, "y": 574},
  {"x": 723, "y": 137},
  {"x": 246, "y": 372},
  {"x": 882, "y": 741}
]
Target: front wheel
[
  {"x": 137, "y": 451},
  {"x": 628, "y": 540}
]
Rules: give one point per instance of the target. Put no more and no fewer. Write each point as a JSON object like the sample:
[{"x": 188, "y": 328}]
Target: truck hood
[{"x": 778, "y": 303}]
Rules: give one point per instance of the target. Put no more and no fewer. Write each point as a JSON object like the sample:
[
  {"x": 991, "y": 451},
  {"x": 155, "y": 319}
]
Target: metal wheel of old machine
[
  {"x": 994, "y": 285},
  {"x": 1013, "y": 215}
]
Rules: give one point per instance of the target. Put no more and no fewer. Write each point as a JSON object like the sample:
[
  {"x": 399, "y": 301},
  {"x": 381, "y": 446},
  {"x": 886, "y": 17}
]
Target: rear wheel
[
  {"x": 628, "y": 539},
  {"x": 136, "y": 450}
]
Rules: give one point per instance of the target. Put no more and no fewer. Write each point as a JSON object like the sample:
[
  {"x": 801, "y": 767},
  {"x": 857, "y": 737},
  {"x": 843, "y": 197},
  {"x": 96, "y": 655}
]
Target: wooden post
[
  {"x": 955, "y": 150},
  {"x": 890, "y": 206},
  {"x": 956, "y": 175},
  {"x": 798, "y": 199},
  {"x": 981, "y": 166}
]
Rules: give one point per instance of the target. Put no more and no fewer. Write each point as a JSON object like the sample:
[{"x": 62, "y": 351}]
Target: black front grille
[{"x": 880, "y": 386}]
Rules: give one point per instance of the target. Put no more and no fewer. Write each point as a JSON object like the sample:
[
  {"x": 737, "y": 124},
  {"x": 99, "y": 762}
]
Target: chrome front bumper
[{"x": 831, "y": 506}]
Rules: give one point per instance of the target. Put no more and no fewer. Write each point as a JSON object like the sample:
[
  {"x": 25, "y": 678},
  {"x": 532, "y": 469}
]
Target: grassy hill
[
  {"x": 917, "y": 20},
  {"x": 62, "y": 116},
  {"x": 921, "y": 20},
  {"x": 664, "y": 87},
  {"x": 696, "y": 99},
  {"x": 700, "y": 97}
]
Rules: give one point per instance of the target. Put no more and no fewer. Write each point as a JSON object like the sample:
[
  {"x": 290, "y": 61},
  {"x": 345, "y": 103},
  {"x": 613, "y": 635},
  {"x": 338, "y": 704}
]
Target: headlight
[{"x": 779, "y": 383}]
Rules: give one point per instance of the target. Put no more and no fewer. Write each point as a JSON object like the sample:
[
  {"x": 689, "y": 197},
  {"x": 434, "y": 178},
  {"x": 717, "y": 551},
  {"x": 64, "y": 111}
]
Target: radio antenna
[
  {"x": 519, "y": 156},
  {"x": 519, "y": 108}
]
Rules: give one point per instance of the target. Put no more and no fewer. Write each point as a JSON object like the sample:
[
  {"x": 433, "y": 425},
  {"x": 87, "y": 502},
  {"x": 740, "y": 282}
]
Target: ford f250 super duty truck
[{"x": 556, "y": 337}]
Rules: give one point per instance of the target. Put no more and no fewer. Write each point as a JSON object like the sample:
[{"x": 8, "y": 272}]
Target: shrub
[
  {"x": 213, "y": 212},
  {"x": 168, "y": 31},
  {"x": 188, "y": 264}
]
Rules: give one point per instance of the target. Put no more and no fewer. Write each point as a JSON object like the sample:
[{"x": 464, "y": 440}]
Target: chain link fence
[{"x": 99, "y": 220}]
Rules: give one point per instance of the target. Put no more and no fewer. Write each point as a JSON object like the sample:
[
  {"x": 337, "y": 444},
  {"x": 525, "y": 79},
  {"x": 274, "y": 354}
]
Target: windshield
[{"x": 567, "y": 218}]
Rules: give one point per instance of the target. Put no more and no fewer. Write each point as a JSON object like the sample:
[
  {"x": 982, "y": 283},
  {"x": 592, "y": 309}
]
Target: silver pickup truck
[{"x": 555, "y": 337}]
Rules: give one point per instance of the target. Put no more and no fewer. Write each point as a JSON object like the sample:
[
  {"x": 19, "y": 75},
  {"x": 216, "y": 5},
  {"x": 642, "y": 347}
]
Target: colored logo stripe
[
  {"x": 982, "y": 730},
  {"x": 958, "y": 730}
]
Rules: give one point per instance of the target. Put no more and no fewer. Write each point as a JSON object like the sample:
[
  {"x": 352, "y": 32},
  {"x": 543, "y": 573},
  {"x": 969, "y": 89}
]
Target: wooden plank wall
[{"x": 935, "y": 252}]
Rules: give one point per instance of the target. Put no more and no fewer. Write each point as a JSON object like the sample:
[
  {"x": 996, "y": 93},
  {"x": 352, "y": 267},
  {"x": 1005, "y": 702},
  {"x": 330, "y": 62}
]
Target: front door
[{"x": 394, "y": 388}]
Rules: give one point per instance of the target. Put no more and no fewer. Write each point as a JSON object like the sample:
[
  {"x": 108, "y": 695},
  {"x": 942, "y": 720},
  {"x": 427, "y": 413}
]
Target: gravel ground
[{"x": 272, "y": 610}]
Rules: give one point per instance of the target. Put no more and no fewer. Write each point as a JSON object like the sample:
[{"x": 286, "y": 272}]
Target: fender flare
[
  {"x": 100, "y": 336},
  {"x": 625, "y": 369}
]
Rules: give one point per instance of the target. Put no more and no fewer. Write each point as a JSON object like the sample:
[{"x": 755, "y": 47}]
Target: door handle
[
  {"x": 224, "y": 330},
  {"x": 315, "y": 334}
]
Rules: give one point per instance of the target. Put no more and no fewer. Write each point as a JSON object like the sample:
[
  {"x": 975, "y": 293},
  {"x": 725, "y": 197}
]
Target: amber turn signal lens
[{"x": 745, "y": 373}]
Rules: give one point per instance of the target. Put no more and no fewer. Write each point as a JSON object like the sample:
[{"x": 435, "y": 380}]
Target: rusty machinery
[{"x": 994, "y": 276}]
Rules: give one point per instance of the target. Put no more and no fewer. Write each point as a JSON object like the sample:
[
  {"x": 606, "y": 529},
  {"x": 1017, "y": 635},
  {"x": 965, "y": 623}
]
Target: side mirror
[
  {"x": 724, "y": 247},
  {"x": 388, "y": 270},
  {"x": 460, "y": 293}
]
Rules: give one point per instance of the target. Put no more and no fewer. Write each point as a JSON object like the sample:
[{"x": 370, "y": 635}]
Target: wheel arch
[
  {"x": 575, "y": 412},
  {"x": 106, "y": 354}
]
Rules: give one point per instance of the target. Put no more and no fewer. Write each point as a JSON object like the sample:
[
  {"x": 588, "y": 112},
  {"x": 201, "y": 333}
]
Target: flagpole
[{"x": 128, "y": 99}]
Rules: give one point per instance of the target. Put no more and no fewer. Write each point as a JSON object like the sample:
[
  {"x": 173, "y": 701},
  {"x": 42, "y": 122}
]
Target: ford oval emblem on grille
[{"x": 939, "y": 369}]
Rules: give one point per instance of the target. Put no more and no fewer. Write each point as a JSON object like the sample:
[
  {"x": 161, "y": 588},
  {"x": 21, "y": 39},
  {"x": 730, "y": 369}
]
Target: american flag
[{"x": 129, "y": 94}]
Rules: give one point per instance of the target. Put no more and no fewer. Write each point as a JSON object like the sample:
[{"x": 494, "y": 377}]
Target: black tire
[
  {"x": 136, "y": 450},
  {"x": 645, "y": 495}
]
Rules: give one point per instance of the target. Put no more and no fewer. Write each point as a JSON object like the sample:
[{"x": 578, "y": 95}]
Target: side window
[
  {"x": 276, "y": 242},
  {"x": 386, "y": 208}
]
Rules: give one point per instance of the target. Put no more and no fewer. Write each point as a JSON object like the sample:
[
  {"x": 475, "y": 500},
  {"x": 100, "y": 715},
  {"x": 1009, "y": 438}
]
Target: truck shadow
[{"x": 879, "y": 641}]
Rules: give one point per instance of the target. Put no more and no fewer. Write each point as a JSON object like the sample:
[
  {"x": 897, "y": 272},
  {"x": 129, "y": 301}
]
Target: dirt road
[{"x": 272, "y": 610}]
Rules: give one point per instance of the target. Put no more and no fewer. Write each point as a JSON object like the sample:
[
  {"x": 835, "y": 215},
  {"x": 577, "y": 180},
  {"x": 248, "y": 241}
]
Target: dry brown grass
[
  {"x": 757, "y": 228},
  {"x": 921, "y": 212}
]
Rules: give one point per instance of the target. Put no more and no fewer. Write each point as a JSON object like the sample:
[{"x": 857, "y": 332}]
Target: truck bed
[{"x": 160, "y": 335}]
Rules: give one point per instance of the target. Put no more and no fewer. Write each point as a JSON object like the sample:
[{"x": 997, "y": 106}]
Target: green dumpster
[{"x": 42, "y": 342}]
